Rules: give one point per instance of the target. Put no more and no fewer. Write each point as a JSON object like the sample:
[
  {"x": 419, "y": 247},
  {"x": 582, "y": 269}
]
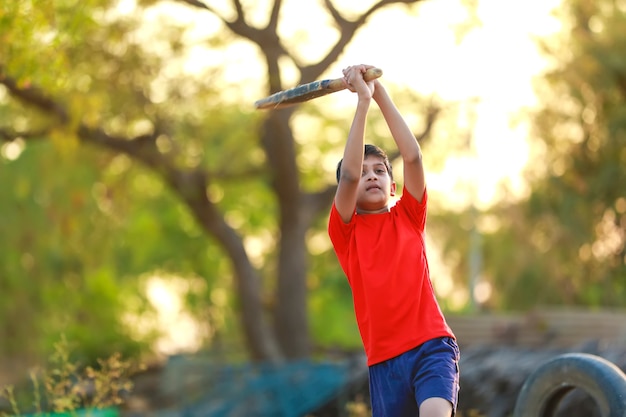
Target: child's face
[{"x": 375, "y": 186}]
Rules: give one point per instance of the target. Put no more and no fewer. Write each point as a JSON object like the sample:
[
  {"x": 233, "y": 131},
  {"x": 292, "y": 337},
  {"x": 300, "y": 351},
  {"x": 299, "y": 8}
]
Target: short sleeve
[
  {"x": 414, "y": 209},
  {"x": 339, "y": 231}
]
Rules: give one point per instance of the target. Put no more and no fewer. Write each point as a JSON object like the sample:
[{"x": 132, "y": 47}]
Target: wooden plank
[{"x": 555, "y": 328}]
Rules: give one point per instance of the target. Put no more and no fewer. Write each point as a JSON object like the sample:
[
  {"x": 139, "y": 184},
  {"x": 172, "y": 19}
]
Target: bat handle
[
  {"x": 372, "y": 74},
  {"x": 369, "y": 75}
]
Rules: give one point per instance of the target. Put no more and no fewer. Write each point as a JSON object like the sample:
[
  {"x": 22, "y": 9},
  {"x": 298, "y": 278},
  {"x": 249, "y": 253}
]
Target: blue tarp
[{"x": 291, "y": 389}]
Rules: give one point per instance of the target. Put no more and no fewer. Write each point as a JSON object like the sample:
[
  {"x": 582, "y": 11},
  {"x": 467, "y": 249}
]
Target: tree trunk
[
  {"x": 290, "y": 314},
  {"x": 260, "y": 342}
]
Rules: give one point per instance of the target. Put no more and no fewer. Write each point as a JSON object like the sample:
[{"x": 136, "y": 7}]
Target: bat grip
[
  {"x": 369, "y": 75},
  {"x": 372, "y": 74}
]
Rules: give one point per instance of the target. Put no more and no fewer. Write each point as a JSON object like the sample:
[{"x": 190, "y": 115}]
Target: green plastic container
[{"x": 95, "y": 412}]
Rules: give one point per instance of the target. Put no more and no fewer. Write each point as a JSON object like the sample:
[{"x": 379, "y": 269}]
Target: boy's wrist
[
  {"x": 364, "y": 100},
  {"x": 379, "y": 91}
]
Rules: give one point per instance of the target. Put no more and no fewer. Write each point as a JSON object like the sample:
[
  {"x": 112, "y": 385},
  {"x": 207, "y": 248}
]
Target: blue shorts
[{"x": 399, "y": 385}]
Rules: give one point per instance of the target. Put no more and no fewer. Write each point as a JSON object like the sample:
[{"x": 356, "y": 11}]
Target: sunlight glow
[
  {"x": 611, "y": 237},
  {"x": 126, "y": 7},
  {"x": 439, "y": 271},
  {"x": 180, "y": 331},
  {"x": 12, "y": 150},
  {"x": 494, "y": 63},
  {"x": 482, "y": 292},
  {"x": 258, "y": 247},
  {"x": 318, "y": 243}
]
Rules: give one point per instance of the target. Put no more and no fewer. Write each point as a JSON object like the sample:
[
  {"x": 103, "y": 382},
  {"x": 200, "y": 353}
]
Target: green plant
[
  {"x": 65, "y": 387},
  {"x": 358, "y": 408}
]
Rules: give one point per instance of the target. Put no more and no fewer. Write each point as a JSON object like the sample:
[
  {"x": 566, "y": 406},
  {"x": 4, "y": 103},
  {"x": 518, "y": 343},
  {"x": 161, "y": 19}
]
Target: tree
[
  {"x": 79, "y": 73},
  {"x": 565, "y": 243}
]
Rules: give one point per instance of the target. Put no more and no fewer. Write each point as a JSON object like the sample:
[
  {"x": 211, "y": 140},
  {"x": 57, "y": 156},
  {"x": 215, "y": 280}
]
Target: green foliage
[
  {"x": 80, "y": 226},
  {"x": 52, "y": 255},
  {"x": 581, "y": 201},
  {"x": 333, "y": 324},
  {"x": 565, "y": 243}
]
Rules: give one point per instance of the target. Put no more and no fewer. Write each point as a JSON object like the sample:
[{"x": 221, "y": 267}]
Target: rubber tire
[{"x": 544, "y": 389}]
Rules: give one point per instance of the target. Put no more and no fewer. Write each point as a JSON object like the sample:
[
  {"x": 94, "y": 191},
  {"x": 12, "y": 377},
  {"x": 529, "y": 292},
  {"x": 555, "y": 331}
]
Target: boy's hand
[{"x": 353, "y": 79}]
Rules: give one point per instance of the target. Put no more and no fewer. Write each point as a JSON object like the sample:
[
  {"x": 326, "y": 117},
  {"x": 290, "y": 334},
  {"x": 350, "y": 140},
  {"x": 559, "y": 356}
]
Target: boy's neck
[{"x": 384, "y": 209}]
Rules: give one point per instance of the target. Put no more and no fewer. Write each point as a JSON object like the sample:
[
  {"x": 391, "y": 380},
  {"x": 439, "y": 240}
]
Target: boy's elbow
[
  {"x": 348, "y": 177},
  {"x": 414, "y": 158}
]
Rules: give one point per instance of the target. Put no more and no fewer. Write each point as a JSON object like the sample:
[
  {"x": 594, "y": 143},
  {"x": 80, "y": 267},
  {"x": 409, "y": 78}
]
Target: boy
[{"x": 411, "y": 352}]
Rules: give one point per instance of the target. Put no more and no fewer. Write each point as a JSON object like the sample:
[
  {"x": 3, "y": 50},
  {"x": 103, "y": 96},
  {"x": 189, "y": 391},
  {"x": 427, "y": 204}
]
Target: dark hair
[{"x": 371, "y": 150}]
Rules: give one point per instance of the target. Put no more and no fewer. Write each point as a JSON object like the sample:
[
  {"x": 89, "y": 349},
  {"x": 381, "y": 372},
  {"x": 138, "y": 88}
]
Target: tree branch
[
  {"x": 432, "y": 113},
  {"x": 10, "y": 135},
  {"x": 316, "y": 204},
  {"x": 34, "y": 96},
  {"x": 273, "y": 22},
  {"x": 199, "y": 4},
  {"x": 347, "y": 29},
  {"x": 431, "y": 117},
  {"x": 141, "y": 148},
  {"x": 191, "y": 185}
]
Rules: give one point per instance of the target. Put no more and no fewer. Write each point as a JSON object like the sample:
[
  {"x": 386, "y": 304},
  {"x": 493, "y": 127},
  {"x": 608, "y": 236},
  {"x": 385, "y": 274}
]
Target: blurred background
[{"x": 148, "y": 209}]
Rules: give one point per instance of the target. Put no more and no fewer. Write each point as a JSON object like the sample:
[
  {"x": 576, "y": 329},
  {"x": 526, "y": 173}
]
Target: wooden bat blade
[{"x": 309, "y": 91}]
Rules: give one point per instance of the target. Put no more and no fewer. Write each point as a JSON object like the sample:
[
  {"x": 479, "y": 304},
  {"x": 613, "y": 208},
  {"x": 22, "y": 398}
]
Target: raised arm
[
  {"x": 352, "y": 163},
  {"x": 414, "y": 178}
]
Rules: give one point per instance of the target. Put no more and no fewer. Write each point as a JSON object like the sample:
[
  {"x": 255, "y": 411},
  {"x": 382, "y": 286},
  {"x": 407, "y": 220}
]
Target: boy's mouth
[{"x": 372, "y": 187}]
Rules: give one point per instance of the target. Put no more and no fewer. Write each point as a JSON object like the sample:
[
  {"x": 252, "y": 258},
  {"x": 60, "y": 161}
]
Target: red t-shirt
[{"x": 384, "y": 257}]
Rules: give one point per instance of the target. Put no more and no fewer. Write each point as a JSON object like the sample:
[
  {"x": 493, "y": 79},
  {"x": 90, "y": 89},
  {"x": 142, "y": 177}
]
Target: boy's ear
[{"x": 393, "y": 188}]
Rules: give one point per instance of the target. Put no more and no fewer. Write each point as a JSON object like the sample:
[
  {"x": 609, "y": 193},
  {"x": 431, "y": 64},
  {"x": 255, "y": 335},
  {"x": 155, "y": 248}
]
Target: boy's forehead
[{"x": 373, "y": 160}]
